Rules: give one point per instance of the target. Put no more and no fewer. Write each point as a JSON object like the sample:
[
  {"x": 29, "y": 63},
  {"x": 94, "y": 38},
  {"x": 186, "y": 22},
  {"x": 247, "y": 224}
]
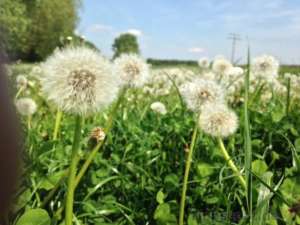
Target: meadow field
[{"x": 198, "y": 145}]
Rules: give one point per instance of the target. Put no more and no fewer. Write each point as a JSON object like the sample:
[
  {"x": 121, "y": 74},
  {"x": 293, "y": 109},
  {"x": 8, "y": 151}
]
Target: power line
[{"x": 234, "y": 37}]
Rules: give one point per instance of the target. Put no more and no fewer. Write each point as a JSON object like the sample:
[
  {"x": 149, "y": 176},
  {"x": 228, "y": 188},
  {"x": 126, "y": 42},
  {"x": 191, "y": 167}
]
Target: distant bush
[{"x": 171, "y": 62}]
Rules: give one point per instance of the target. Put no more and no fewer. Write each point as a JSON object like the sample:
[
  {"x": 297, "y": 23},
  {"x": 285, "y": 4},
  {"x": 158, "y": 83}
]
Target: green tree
[
  {"x": 125, "y": 43},
  {"x": 32, "y": 29},
  {"x": 14, "y": 27},
  {"x": 52, "y": 20}
]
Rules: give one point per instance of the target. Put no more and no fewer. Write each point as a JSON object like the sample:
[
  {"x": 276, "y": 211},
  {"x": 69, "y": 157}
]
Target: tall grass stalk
[
  {"x": 288, "y": 96},
  {"x": 186, "y": 174},
  {"x": 247, "y": 143}
]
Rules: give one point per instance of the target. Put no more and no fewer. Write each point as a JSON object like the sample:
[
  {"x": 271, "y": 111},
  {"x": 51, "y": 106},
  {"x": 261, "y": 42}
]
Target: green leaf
[
  {"x": 264, "y": 196},
  {"x": 192, "y": 220},
  {"x": 291, "y": 189},
  {"x": 34, "y": 217},
  {"x": 204, "y": 169},
  {"x": 277, "y": 114},
  {"x": 160, "y": 196},
  {"x": 259, "y": 167},
  {"x": 172, "y": 180},
  {"x": 163, "y": 214}
]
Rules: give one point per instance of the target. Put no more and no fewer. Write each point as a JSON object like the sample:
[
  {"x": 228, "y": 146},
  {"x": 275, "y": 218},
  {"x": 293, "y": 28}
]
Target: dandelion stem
[
  {"x": 186, "y": 175},
  {"x": 107, "y": 129},
  {"x": 72, "y": 172},
  {"x": 29, "y": 123},
  {"x": 231, "y": 163},
  {"x": 19, "y": 92},
  {"x": 57, "y": 124}
]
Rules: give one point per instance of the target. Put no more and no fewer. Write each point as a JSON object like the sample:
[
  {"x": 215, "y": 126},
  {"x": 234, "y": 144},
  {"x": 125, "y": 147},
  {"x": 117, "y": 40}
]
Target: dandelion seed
[
  {"x": 79, "y": 80},
  {"x": 26, "y": 106},
  {"x": 159, "y": 107},
  {"x": 132, "y": 70},
  {"x": 218, "y": 121},
  {"x": 200, "y": 92}
]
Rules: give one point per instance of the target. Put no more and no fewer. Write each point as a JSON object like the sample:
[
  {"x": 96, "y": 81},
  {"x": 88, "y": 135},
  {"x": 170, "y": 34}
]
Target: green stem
[
  {"x": 186, "y": 175},
  {"x": 29, "y": 123},
  {"x": 92, "y": 155},
  {"x": 231, "y": 163},
  {"x": 57, "y": 124},
  {"x": 19, "y": 92},
  {"x": 72, "y": 172},
  {"x": 288, "y": 96}
]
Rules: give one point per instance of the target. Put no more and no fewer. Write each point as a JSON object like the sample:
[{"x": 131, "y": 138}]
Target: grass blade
[{"x": 247, "y": 143}]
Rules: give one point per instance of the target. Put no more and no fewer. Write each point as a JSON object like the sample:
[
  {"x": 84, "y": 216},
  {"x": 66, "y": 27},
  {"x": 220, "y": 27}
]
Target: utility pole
[{"x": 234, "y": 37}]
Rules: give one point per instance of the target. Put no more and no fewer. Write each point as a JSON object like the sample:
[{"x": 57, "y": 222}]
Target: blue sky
[{"x": 190, "y": 29}]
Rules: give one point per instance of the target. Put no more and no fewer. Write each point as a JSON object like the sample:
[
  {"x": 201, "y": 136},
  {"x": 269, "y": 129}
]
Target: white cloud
[
  {"x": 196, "y": 50},
  {"x": 135, "y": 32},
  {"x": 96, "y": 28}
]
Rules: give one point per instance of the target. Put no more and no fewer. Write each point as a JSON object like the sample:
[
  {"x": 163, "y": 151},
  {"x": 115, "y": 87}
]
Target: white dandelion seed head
[
  {"x": 266, "y": 97},
  {"x": 26, "y": 106},
  {"x": 132, "y": 69},
  {"x": 209, "y": 76},
  {"x": 279, "y": 88},
  {"x": 204, "y": 62},
  {"x": 200, "y": 92},
  {"x": 218, "y": 120},
  {"x": 265, "y": 67},
  {"x": 159, "y": 107},
  {"x": 235, "y": 72},
  {"x": 21, "y": 81},
  {"x": 221, "y": 65},
  {"x": 79, "y": 80}
]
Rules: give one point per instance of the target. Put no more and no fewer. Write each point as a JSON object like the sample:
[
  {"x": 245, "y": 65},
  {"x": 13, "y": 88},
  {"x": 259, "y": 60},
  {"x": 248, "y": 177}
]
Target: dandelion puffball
[
  {"x": 132, "y": 69},
  {"x": 159, "y": 107},
  {"x": 200, "y": 92},
  {"x": 79, "y": 80},
  {"x": 221, "y": 65},
  {"x": 204, "y": 62},
  {"x": 21, "y": 81},
  {"x": 218, "y": 120},
  {"x": 265, "y": 67},
  {"x": 26, "y": 106}
]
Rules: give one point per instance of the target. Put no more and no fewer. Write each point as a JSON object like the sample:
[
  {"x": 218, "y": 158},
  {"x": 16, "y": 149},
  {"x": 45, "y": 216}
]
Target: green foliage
[
  {"x": 51, "y": 21},
  {"x": 34, "y": 216},
  {"x": 125, "y": 43},
  {"x": 33, "y": 29},
  {"x": 14, "y": 27}
]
